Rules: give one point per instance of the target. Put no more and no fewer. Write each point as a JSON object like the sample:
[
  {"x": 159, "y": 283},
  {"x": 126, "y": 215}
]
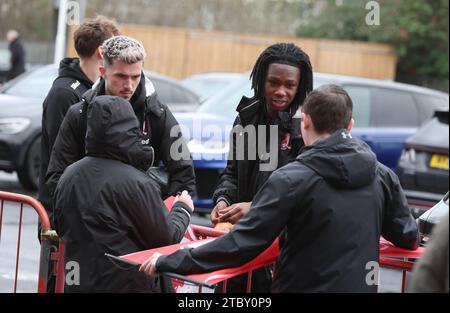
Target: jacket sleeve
[
  {"x": 57, "y": 103},
  {"x": 227, "y": 186},
  {"x": 180, "y": 217},
  {"x": 270, "y": 212},
  {"x": 151, "y": 221},
  {"x": 181, "y": 170},
  {"x": 399, "y": 226},
  {"x": 67, "y": 148}
]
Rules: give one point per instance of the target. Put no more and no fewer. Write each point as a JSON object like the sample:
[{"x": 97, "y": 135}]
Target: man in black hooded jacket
[
  {"x": 106, "y": 203},
  {"x": 281, "y": 78},
  {"x": 334, "y": 201},
  {"x": 75, "y": 77},
  {"x": 123, "y": 59}
]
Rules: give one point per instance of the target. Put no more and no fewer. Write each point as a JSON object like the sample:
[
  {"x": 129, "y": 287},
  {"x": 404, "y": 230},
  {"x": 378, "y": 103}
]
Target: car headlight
[
  {"x": 208, "y": 146},
  {"x": 11, "y": 126}
]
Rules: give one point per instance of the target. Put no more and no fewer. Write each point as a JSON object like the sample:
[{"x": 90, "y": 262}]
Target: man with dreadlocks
[{"x": 281, "y": 79}]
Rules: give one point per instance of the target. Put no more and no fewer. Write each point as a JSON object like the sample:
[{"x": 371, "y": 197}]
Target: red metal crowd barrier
[
  {"x": 399, "y": 259},
  {"x": 208, "y": 280},
  {"x": 390, "y": 257},
  {"x": 52, "y": 252},
  {"x": 49, "y": 251}
]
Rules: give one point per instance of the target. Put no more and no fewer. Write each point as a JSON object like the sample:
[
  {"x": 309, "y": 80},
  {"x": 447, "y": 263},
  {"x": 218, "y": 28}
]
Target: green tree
[
  {"x": 423, "y": 39},
  {"x": 418, "y": 29},
  {"x": 346, "y": 20}
]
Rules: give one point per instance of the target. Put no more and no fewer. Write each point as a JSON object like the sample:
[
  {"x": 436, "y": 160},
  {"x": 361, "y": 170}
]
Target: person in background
[{"x": 17, "y": 50}]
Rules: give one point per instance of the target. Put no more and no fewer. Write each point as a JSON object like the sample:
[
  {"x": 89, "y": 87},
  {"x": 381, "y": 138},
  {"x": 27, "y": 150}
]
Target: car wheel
[{"x": 29, "y": 173}]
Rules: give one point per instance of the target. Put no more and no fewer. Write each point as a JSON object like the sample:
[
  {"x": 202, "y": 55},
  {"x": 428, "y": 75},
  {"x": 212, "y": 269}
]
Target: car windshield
[
  {"x": 224, "y": 103},
  {"x": 35, "y": 84}
]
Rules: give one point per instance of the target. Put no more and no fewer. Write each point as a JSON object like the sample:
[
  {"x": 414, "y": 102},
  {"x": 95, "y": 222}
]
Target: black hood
[
  {"x": 70, "y": 67},
  {"x": 341, "y": 160},
  {"x": 113, "y": 133}
]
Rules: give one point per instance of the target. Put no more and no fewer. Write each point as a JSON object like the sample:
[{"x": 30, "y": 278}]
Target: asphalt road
[{"x": 390, "y": 280}]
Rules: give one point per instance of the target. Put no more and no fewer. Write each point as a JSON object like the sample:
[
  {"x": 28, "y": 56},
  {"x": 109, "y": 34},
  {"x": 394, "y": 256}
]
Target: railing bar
[
  {"x": 224, "y": 287},
  {"x": 249, "y": 282},
  {"x": 18, "y": 248}
]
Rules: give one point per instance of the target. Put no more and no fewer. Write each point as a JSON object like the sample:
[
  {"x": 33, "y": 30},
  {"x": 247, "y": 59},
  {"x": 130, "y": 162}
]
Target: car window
[
  {"x": 187, "y": 96},
  {"x": 394, "y": 108},
  {"x": 428, "y": 104},
  {"x": 170, "y": 93},
  {"x": 163, "y": 90},
  {"x": 224, "y": 103},
  {"x": 36, "y": 84},
  {"x": 427, "y": 134},
  {"x": 204, "y": 87},
  {"x": 361, "y": 98},
  {"x": 179, "y": 96}
]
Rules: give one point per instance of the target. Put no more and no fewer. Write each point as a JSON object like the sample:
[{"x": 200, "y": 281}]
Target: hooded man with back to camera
[{"x": 106, "y": 203}]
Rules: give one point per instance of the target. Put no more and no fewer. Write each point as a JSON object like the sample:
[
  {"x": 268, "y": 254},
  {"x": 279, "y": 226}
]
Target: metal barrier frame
[
  {"x": 52, "y": 247},
  {"x": 49, "y": 251}
]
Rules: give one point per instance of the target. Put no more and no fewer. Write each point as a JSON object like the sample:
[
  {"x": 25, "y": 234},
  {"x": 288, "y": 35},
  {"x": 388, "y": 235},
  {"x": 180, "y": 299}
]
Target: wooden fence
[{"x": 179, "y": 52}]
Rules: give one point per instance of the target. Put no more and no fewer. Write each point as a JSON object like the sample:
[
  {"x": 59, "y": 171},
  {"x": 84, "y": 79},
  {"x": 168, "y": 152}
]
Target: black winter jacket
[
  {"x": 67, "y": 89},
  {"x": 334, "y": 202},
  {"x": 242, "y": 178},
  {"x": 156, "y": 121},
  {"x": 106, "y": 203}
]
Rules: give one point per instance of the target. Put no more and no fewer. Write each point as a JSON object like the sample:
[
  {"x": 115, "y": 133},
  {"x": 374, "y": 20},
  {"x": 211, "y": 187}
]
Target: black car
[
  {"x": 21, "y": 114},
  {"x": 423, "y": 166}
]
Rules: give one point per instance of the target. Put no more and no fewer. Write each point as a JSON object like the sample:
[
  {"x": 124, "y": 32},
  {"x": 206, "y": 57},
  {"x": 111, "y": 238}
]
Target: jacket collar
[
  {"x": 248, "y": 109},
  {"x": 251, "y": 111}
]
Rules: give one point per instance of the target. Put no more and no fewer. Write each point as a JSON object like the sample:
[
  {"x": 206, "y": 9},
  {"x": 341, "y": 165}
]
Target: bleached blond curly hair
[{"x": 123, "y": 48}]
